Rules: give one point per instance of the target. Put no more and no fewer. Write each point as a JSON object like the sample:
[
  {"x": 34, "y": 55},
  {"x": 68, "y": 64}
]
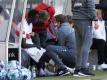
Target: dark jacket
[
  {"x": 103, "y": 6},
  {"x": 85, "y": 11}
]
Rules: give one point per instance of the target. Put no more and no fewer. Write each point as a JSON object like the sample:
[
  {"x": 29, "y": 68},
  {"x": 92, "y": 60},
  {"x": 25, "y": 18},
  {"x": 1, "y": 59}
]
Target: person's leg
[
  {"x": 41, "y": 65},
  {"x": 78, "y": 37},
  {"x": 55, "y": 57},
  {"x": 99, "y": 45},
  {"x": 38, "y": 41},
  {"x": 83, "y": 29},
  {"x": 100, "y": 48},
  {"x": 67, "y": 56},
  {"x": 105, "y": 53},
  {"x": 62, "y": 70},
  {"x": 94, "y": 44},
  {"x": 87, "y": 42},
  {"x": 83, "y": 34}
]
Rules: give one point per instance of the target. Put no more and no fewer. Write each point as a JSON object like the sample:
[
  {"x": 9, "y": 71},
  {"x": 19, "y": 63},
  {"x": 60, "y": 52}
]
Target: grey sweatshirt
[{"x": 84, "y": 11}]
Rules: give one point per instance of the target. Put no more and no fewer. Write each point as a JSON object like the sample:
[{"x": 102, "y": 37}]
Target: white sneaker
[
  {"x": 71, "y": 70},
  {"x": 104, "y": 66},
  {"x": 99, "y": 67}
]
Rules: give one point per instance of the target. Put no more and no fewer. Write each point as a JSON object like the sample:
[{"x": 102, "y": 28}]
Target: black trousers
[
  {"x": 40, "y": 38},
  {"x": 105, "y": 54},
  {"x": 100, "y": 45}
]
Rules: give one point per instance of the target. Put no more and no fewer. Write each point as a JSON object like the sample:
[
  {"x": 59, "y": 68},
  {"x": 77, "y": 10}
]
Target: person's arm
[
  {"x": 61, "y": 37},
  {"x": 25, "y": 45},
  {"x": 91, "y": 9}
]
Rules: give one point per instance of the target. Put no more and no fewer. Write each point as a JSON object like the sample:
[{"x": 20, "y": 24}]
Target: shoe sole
[
  {"x": 81, "y": 75},
  {"x": 65, "y": 74}
]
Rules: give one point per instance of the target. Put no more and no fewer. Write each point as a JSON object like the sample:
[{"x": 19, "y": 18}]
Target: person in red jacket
[
  {"x": 41, "y": 29},
  {"x": 46, "y": 13}
]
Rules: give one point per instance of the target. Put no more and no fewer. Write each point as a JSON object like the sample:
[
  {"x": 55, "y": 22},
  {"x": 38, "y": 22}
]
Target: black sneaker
[
  {"x": 63, "y": 72},
  {"x": 77, "y": 73},
  {"x": 86, "y": 71},
  {"x": 83, "y": 72}
]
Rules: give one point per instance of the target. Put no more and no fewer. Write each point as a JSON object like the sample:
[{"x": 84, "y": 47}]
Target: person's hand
[
  {"x": 96, "y": 25},
  {"x": 32, "y": 34}
]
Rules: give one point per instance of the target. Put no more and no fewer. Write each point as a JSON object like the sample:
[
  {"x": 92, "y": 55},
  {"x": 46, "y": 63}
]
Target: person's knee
[{"x": 49, "y": 47}]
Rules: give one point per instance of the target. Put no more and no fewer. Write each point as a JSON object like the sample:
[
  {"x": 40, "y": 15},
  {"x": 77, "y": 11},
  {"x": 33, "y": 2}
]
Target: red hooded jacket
[{"x": 51, "y": 11}]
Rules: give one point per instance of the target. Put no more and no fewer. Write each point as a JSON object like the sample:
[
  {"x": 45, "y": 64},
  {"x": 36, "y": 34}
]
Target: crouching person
[
  {"x": 65, "y": 48},
  {"x": 35, "y": 51}
]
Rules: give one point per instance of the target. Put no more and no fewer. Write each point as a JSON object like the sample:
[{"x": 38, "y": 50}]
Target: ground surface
[{"x": 100, "y": 75}]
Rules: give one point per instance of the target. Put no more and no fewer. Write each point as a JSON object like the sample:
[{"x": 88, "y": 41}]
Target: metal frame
[
  {"x": 9, "y": 28},
  {"x": 14, "y": 45},
  {"x": 20, "y": 39}
]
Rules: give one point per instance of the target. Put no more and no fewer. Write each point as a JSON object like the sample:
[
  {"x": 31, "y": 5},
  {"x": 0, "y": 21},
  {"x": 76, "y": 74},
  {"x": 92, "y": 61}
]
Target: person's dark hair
[
  {"x": 31, "y": 17},
  {"x": 37, "y": 18},
  {"x": 43, "y": 16},
  {"x": 61, "y": 18}
]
